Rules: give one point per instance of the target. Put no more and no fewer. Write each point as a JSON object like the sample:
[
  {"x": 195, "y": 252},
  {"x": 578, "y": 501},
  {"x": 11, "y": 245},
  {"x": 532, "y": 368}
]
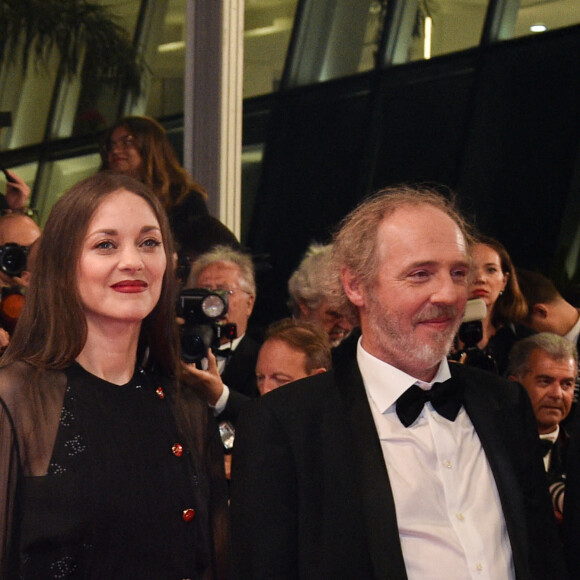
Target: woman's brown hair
[
  {"x": 161, "y": 170},
  {"x": 510, "y": 306},
  {"x": 52, "y": 329}
]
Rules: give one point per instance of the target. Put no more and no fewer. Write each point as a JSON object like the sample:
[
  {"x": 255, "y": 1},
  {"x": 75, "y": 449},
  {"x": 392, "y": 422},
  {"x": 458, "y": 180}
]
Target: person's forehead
[
  {"x": 278, "y": 350},
  {"x": 416, "y": 232},
  {"x": 121, "y": 131},
  {"x": 18, "y": 231},
  {"x": 541, "y": 361},
  {"x": 223, "y": 271}
]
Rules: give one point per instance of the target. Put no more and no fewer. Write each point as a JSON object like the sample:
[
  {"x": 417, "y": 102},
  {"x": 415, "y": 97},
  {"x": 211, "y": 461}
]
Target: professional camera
[
  {"x": 470, "y": 333},
  {"x": 202, "y": 311},
  {"x": 13, "y": 259}
]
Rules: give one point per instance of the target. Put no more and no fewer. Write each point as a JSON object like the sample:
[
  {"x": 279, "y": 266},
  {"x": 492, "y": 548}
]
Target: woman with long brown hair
[
  {"x": 493, "y": 279},
  {"x": 110, "y": 465},
  {"x": 138, "y": 146}
]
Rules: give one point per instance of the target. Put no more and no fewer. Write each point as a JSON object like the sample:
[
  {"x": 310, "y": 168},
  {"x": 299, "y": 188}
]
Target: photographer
[
  {"x": 17, "y": 193},
  {"x": 17, "y": 233}
]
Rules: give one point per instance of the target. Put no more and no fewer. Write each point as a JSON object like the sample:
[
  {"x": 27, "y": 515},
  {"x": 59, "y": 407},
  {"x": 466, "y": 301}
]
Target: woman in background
[
  {"x": 110, "y": 465},
  {"x": 493, "y": 279},
  {"x": 139, "y": 147}
]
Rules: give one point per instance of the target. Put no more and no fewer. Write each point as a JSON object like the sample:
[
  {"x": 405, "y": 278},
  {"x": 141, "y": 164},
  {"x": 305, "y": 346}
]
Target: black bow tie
[
  {"x": 446, "y": 399},
  {"x": 224, "y": 352},
  {"x": 546, "y": 445}
]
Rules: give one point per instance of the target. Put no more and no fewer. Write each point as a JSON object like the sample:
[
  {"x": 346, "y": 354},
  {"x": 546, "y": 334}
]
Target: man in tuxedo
[
  {"x": 549, "y": 311},
  {"x": 374, "y": 470},
  {"x": 547, "y": 365},
  {"x": 225, "y": 268}
]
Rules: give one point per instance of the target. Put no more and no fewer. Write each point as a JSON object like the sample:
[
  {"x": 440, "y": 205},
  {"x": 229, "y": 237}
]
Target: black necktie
[
  {"x": 546, "y": 445},
  {"x": 446, "y": 399}
]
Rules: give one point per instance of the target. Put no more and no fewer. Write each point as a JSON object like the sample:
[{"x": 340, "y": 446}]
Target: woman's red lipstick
[{"x": 130, "y": 286}]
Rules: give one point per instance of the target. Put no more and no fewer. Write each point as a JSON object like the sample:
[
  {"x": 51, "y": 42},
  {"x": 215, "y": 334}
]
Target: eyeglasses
[
  {"x": 127, "y": 142},
  {"x": 230, "y": 291}
]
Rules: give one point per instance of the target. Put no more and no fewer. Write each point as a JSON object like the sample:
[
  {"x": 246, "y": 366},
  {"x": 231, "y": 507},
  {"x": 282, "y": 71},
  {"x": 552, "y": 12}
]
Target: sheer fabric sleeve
[
  {"x": 9, "y": 477},
  {"x": 30, "y": 406}
]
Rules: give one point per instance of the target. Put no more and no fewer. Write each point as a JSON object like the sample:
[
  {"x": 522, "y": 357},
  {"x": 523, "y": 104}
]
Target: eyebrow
[
  {"x": 431, "y": 263},
  {"x": 113, "y": 232}
]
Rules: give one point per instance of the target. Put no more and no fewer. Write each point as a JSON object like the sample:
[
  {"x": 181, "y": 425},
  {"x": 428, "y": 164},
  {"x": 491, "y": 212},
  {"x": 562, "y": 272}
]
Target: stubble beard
[{"x": 403, "y": 349}]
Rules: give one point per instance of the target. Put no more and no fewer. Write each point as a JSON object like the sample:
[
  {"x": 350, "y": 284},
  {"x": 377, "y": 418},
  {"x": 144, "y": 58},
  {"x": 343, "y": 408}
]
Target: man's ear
[
  {"x": 304, "y": 310},
  {"x": 352, "y": 287},
  {"x": 250, "y": 304},
  {"x": 513, "y": 378},
  {"x": 540, "y": 310},
  {"x": 318, "y": 371}
]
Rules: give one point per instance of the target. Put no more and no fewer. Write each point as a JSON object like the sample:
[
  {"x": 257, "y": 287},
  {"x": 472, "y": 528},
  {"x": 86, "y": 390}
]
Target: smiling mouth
[{"x": 130, "y": 286}]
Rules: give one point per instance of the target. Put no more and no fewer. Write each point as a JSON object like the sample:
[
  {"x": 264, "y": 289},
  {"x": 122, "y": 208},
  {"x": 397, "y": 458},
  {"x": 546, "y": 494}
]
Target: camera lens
[
  {"x": 213, "y": 306},
  {"x": 13, "y": 259}
]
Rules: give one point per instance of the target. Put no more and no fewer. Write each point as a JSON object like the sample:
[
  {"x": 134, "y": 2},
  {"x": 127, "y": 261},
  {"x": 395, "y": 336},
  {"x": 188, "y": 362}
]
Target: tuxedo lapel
[
  {"x": 239, "y": 373},
  {"x": 378, "y": 507},
  {"x": 492, "y": 422}
]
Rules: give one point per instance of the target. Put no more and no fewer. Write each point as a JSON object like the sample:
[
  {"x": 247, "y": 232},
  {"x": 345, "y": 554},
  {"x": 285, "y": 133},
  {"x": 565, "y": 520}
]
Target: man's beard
[{"x": 402, "y": 348}]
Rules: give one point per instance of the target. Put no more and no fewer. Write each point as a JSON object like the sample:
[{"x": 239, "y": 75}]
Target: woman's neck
[{"x": 110, "y": 352}]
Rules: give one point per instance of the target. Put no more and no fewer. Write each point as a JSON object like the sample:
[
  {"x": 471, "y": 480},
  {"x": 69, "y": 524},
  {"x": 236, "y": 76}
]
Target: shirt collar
[
  {"x": 574, "y": 332},
  {"x": 552, "y": 436},
  {"x": 231, "y": 345},
  {"x": 386, "y": 383}
]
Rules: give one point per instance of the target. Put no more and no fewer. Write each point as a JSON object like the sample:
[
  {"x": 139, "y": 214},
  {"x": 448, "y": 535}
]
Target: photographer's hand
[
  {"x": 4, "y": 339},
  {"x": 17, "y": 192},
  {"x": 210, "y": 382}
]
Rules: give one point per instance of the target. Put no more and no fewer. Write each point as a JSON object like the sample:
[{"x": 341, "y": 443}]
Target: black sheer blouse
[{"x": 96, "y": 480}]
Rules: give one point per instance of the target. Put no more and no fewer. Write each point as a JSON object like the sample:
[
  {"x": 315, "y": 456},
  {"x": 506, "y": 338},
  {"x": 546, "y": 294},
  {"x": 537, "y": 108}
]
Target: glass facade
[
  {"x": 444, "y": 26},
  {"x": 535, "y": 16},
  {"x": 267, "y": 29},
  {"x": 287, "y": 43}
]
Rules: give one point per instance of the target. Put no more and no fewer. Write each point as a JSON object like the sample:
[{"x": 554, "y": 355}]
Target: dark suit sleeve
[
  {"x": 571, "y": 523},
  {"x": 236, "y": 401},
  {"x": 264, "y": 498}
]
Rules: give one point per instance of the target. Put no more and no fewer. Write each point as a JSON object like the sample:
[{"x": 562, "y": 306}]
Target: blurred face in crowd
[
  {"x": 228, "y": 276},
  {"x": 122, "y": 153},
  {"x": 335, "y": 324},
  {"x": 278, "y": 364},
  {"x": 411, "y": 312},
  {"x": 486, "y": 277},
  {"x": 550, "y": 384},
  {"x": 122, "y": 262}
]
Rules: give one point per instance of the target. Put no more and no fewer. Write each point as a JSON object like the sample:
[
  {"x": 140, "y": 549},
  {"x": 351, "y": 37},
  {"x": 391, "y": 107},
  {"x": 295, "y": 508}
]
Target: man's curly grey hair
[{"x": 309, "y": 284}]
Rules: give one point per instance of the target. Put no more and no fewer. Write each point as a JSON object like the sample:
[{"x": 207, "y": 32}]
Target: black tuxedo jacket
[
  {"x": 311, "y": 496},
  {"x": 240, "y": 371},
  {"x": 557, "y": 465}
]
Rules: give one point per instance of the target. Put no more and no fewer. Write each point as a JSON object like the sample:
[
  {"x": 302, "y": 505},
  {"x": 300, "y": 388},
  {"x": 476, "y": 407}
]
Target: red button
[
  {"x": 188, "y": 514},
  {"x": 160, "y": 393},
  {"x": 177, "y": 450}
]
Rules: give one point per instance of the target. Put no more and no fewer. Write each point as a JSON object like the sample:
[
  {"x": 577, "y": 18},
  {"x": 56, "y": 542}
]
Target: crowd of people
[{"x": 349, "y": 440}]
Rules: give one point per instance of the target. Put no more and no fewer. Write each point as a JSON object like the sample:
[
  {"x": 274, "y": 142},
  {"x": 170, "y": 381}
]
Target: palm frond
[{"x": 34, "y": 28}]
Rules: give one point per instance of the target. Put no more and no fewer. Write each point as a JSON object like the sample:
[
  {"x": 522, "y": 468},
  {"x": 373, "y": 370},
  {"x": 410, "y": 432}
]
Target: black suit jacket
[
  {"x": 557, "y": 466},
  {"x": 311, "y": 496},
  {"x": 240, "y": 371}
]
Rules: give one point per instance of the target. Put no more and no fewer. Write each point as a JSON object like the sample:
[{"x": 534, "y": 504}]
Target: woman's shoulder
[
  {"x": 192, "y": 203},
  {"x": 21, "y": 382}
]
